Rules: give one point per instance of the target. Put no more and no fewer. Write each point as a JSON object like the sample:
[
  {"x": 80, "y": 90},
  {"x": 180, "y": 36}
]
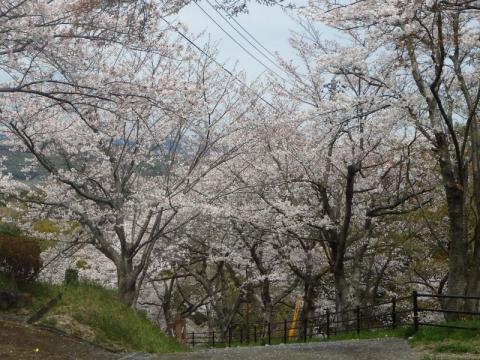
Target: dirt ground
[{"x": 26, "y": 342}]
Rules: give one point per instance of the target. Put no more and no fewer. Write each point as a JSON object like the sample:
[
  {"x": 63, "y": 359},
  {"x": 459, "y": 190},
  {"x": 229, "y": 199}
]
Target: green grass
[
  {"x": 400, "y": 332},
  {"x": 456, "y": 348},
  {"x": 434, "y": 339},
  {"x": 434, "y": 334},
  {"x": 448, "y": 340},
  {"x": 111, "y": 321}
]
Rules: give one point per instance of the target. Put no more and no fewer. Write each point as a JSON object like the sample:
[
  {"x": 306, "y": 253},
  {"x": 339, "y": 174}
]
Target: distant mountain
[{"x": 16, "y": 160}]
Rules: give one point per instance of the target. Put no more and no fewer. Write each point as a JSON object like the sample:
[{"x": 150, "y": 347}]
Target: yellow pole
[{"x": 293, "y": 323}]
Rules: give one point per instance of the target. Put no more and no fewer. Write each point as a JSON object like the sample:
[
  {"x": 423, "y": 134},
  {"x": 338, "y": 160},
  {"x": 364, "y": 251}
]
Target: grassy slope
[
  {"x": 95, "y": 310},
  {"x": 443, "y": 340}
]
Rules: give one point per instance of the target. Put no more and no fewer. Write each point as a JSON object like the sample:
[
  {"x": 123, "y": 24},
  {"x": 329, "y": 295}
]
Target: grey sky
[{"x": 270, "y": 25}]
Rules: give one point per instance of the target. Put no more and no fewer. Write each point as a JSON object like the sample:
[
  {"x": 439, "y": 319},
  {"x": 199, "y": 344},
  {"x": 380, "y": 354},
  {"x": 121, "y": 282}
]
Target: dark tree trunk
[
  {"x": 454, "y": 185},
  {"x": 340, "y": 247},
  {"x": 267, "y": 301},
  {"x": 126, "y": 281},
  {"x": 341, "y": 298},
  {"x": 474, "y": 279},
  {"x": 308, "y": 311}
]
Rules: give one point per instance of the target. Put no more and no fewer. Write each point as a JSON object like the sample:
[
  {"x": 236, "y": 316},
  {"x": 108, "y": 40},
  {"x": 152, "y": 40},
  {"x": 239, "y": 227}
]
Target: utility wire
[
  {"x": 243, "y": 36},
  {"x": 253, "y": 37},
  {"x": 241, "y": 46},
  {"x": 246, "y": 31},
  {"x": 191, "y": 42}
]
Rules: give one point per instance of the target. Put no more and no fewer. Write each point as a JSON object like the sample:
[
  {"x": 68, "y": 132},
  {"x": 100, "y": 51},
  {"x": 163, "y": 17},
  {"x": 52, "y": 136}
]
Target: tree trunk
[
  {"x": 126, "y": 281},
  {"x": 339, "y": 249},
  {"x": 167, "y": 305},
  {"x": 458, "y": 245},
  {"x": 267, "y": 300},
  {"x": 474, "y": 279},
  {"x": 308, "y": 311},
  {"x": 341, "y": 299}
]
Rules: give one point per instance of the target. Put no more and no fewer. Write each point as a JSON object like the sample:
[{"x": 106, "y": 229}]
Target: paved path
[{"x": 383, "y": 349}]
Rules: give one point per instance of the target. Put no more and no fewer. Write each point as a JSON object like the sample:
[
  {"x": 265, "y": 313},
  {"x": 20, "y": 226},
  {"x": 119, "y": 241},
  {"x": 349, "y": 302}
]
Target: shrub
[
  {"x": 7, "y": 229},
  {"x": 19, "y": 257},
  {"x": 7, "y": 283},
  {"x": 71, "y": 276}
]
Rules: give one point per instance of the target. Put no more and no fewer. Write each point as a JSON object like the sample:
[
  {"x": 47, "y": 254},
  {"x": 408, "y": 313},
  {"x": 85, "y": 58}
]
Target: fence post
[
  {"x": 269, "y": 329},
  {"x": 213, "y": 338},
  {"x": 305, "y": 326},
  {"x": 394, "y": 312},
  {"x": 241, "y": 335},
  {"x": 357, "y": 311},
  {"x": 415, "y": 310},
  {"x": 285, "y": 331},
  {"x": 255, "y": 334},
  {"x": 328, "y": 323},
  {"x": 193, "y": 339},
  {"x": 230, "y": 336}
]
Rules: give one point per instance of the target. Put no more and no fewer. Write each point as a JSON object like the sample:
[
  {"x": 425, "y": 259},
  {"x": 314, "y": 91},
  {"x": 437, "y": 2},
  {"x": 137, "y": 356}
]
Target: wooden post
[
  {"x": 229, "y": 336},
  {"x": 415, "y": 310},
  {"x": 213, "y": 338},
  {"x": 241, "y": 335},
  {"x": 285, "y": 331},
  {"x": 269, "y": 329},
  {"x": 193, "y": 339},
  {"x": 357, "y": 311},
  {"x": 394, "y": 312},
  {"x": 255, "y": 334},
  {"x": 328, "y": 323}
]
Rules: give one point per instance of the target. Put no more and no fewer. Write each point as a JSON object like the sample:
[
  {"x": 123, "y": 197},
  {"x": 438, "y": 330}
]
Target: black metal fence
[
  {"x": 408, "y": 310},
  {"x": 258, "y": 333},
  {"x": 424, "y": 305},
  {"x": 387, "y": 315}
]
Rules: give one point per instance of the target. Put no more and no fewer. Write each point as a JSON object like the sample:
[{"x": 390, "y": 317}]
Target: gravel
[{"x": 395, "y": 349}]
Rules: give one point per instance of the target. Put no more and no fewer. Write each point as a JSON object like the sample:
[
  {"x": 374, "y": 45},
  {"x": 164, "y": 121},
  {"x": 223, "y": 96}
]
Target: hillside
[
  {"x": 21, "y": 341},
  {"x": 92, "y": 313},
  {"x": 14, "y": 161}
]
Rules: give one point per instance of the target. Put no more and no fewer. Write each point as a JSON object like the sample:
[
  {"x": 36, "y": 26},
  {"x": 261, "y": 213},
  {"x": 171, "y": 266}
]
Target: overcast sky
[{"x": 269, "y": 25}]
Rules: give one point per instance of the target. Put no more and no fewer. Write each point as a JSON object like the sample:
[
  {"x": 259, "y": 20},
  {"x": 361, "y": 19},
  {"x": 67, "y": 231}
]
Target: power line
[
  {"x": 246, "y": 31},
  {"x": 217, "y": 63},
  {"x": 253, "y": 37},
  {"x": 240, "y": 45},
  {"x": 243, "y": 36}
]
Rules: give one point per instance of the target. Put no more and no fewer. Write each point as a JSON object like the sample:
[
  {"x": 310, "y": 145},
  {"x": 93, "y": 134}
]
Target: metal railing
[
  {"x": 387, "y": 315},
  {"x": 408, "y": 310},
  {"x": 421, "y": 308}
]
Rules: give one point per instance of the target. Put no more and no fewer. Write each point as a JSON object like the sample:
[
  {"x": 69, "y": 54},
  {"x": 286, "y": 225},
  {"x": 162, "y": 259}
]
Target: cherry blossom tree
[
  {"x": 427, "y": 58},
  {"x": 44, "y": 43},
  {"x": 128, "y": 170}
]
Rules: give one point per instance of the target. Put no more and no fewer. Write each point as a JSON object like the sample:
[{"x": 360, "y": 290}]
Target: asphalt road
[{"x": 382, "y": 349}]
